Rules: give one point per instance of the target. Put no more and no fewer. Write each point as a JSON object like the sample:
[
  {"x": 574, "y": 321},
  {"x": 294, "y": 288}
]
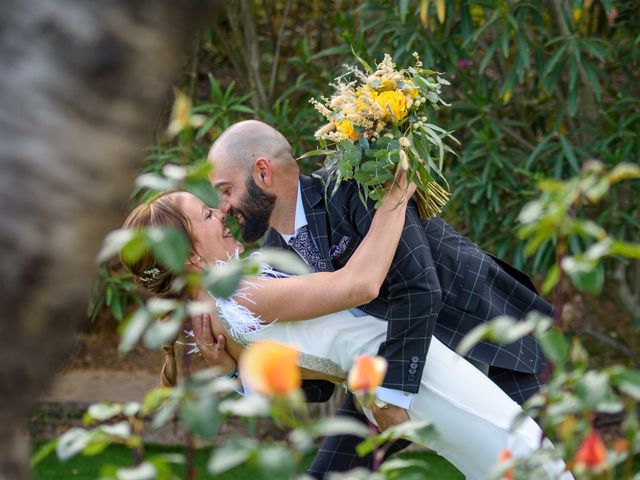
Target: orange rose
[
  {"x": 367, "y": 373},
  {"x": 620, "y": 445},
  {"x": 271, "y": 368},
  {"x": 347, "y": 129},
  {"x": 592, "y": 453},
  {"x": 505, "y": 456}
]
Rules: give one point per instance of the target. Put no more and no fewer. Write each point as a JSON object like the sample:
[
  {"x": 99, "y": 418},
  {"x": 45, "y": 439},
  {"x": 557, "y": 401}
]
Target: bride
[{"x": 472, "y": 415}]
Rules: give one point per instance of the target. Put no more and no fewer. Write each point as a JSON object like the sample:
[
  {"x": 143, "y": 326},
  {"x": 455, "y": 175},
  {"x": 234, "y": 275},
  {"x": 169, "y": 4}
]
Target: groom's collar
[
  {"x": 300, "y": 219},
  {"x": 312, "y": 191}
]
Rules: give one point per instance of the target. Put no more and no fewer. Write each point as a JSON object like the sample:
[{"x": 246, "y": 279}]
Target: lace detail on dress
[{"x": 322, "y": 365}]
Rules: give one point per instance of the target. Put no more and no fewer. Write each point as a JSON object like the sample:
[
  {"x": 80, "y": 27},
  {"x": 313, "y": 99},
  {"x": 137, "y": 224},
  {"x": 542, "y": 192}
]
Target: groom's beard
[{"x": 256, "y": 208}]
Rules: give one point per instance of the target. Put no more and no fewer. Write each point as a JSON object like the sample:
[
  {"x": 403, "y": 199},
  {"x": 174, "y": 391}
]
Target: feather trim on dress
[{"x": 238, "y": 320}]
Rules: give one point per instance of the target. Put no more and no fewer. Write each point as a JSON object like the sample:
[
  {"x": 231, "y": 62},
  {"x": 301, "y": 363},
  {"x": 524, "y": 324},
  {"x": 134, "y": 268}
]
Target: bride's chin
[{"x": 237, "y": 247}]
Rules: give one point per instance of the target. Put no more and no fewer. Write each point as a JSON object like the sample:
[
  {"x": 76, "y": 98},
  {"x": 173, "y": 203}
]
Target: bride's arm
[{"x": 358, "y": 282}]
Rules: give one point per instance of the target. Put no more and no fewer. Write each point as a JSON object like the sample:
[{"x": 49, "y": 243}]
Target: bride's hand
[
  {"x": 212, "y": 349},
  {"x": 398, "y": 190}
]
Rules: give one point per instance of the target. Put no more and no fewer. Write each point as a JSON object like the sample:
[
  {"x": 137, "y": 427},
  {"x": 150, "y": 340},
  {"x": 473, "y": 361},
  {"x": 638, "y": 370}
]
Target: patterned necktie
[{"x": 306, "y": 248}]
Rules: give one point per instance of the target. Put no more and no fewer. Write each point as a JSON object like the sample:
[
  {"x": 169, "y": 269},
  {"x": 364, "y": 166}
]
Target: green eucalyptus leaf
[
  {"x": 201, "y": 416},
  {"x": 71, "y": 442},
  {"x": 169, "y": 246},
  {"x": 43, "y": 452},
  {"x": 275, "y": 461},
  {"x": 232, "y": 454},
  {"x": 590, "y": 281},
  {"x": 114, "y": 242},
  {"x": 144, "y": 471},
  {"x": 554, "y": 345},
  {"x": 247, "y": 406},
  {"x": 132, "y": 329},
  {"x": 161, "y": 332},
  {"x": 104, "y": 411},
  {"x": 165, "y": 413},
  {"x": 472, "y": 338},
  {"x": 120, "y": 429},
  {"x": 592, "y": 388},
  {"x": 204, "y": 191},
  {"x": 283, "y": 261},
  {"x": 628, "y": 381},
  {"x": 155, "y": 182},
  {"x": 223, "y": 280}
]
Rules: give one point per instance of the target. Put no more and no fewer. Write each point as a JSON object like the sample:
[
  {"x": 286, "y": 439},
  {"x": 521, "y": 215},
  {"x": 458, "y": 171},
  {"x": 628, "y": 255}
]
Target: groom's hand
[{"x": 389, "y": 417}]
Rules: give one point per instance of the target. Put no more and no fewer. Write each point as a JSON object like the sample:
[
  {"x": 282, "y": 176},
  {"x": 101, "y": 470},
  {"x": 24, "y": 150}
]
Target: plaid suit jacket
[{"x": 439, "y": 282}]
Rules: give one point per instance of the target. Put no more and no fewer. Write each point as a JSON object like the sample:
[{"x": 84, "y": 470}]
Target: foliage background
[{"x": 539, "y": 88}]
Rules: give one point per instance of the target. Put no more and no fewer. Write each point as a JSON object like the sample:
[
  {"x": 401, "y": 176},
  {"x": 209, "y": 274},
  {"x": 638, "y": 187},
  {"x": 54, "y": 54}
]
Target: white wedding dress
[{"x": 472, "y": 415}]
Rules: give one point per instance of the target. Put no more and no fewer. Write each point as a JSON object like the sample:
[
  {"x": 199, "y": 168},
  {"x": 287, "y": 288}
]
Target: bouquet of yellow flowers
[{"x": 379, "y": 123}]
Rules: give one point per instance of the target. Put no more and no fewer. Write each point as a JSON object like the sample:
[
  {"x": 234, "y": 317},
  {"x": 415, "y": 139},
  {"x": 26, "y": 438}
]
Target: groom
[{"x": 439, "y": 283}]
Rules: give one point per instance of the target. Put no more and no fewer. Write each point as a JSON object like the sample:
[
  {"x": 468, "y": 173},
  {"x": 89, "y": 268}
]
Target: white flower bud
[
  {"x": 404, "y": 160},
  {"x": 405, "y": 142},
  {"x": 349, "y": 108}
]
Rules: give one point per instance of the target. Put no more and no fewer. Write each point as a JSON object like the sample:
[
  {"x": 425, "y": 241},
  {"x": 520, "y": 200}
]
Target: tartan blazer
[{"x": 439, "y": 282}]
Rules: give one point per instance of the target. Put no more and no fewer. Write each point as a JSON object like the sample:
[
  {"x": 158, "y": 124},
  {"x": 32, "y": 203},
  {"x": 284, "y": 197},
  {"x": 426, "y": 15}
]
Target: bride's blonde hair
[{"x": 162, "y": 212}]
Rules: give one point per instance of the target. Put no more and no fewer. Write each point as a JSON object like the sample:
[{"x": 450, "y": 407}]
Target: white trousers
[{"x": 473, "y": 416}]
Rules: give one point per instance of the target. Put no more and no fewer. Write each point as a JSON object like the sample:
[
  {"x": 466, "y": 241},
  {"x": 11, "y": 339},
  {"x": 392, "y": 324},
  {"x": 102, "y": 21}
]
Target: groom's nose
[{"x": 224, "y": 204}]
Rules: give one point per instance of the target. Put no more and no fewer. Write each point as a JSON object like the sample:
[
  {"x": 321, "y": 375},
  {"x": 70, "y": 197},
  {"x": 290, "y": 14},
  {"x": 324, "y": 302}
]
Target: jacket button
[
  {"x": 414, "y": 359},
  {"x": 412, "y": 371},
  {"x": 413, "y": 365},
  {"x": 411, "y": 378}
]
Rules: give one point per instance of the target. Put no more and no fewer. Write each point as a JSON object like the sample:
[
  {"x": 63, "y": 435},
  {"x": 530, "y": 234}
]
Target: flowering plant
[{"x": 379, "y": 121}]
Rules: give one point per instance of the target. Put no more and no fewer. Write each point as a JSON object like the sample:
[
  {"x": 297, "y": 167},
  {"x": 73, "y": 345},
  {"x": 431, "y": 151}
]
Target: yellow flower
[
  {"x": 387, "y": 85},
  {"x": 367, "y": 373},
  {"x": 394, "y": 101},
  {"x": 271, "y": 368},
  {"x": 347, "y": 129},
  {"x": 365, "y": 91},
  {"x": 410, "y": 89}
]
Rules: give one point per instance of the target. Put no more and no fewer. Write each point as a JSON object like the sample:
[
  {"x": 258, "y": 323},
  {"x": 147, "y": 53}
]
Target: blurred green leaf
[
  {"x": 132, "y": 329},
  {"x": 590, "y": 281},
  {"x": 554, "y": 346},
  {"x": 71, "y": 442},
  {"x": 169, "y": 246},
  {"x": 275, "y": 461},
  {"x": 201, "y": 416},
  {"x": 233, "y": 453}
]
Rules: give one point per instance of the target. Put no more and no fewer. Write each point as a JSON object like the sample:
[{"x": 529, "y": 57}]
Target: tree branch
[{"x": 276, "y": 56}]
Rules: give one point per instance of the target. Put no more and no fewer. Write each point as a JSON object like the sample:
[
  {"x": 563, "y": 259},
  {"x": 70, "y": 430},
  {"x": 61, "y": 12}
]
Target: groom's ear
[{"x": 263, "y": 172}]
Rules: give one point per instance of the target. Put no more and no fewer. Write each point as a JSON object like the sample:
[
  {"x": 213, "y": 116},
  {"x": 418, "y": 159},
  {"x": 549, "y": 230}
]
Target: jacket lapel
[{"x": 317, "y": 217}]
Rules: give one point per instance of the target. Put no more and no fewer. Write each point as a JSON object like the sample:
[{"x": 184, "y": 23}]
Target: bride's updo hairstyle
[{"x": 160, "y": 212}]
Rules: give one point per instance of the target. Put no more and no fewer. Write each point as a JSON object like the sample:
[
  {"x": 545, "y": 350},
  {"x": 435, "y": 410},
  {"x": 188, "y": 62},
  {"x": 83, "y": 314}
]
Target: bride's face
[{"x": 213, "y": 241}]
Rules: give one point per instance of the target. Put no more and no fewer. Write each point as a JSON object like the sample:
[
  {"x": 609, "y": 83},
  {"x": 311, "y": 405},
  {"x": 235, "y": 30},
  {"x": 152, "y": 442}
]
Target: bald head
[{"x": 242, "y": 143}]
